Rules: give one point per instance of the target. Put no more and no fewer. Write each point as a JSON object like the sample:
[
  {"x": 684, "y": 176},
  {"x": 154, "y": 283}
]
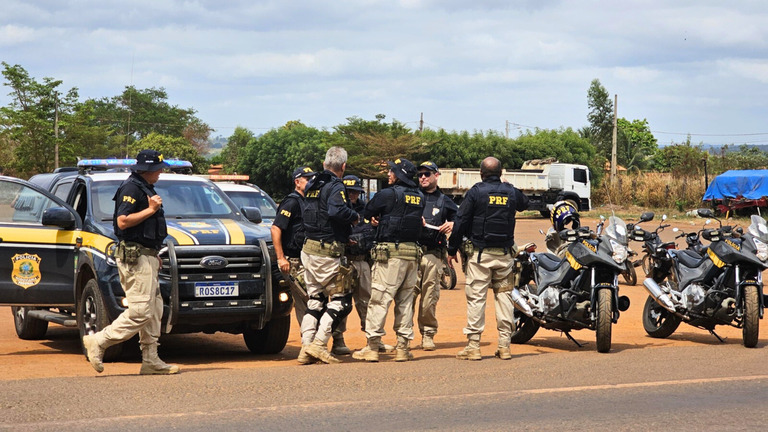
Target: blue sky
[{"x": 698, "y": 67}]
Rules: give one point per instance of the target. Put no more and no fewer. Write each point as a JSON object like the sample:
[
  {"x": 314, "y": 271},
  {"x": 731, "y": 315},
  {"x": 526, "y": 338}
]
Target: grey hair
[{"x": 335, "y": 158}]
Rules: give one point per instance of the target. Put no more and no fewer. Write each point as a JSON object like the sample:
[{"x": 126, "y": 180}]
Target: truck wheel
[
  {"x": 271, "y": 339},
  {"x": 28, "y": 328},
  {"x": 751, "y": 324},
  {"x": 92, "y": 317}
]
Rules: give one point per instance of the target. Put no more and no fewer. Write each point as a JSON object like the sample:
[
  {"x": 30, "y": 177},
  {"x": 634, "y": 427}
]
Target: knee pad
[
  {"x": 316, "y": 306},
  {"x": 338, "y": 314}
]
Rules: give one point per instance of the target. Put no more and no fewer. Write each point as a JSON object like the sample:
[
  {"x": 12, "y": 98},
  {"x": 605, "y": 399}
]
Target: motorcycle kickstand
[
  {"x": 568, "y": 335},
  {"x": 712, "y": 332}
]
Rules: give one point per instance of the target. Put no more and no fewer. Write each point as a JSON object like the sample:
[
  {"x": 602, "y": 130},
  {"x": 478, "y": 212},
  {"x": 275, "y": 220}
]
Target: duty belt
[
  {"x": 497, "y": 251},
  {"x": 408, "y": 250},
  {"x": 142, "y": 249},
  {"x": 321, "y": 248},
  {"x": 438, "y": 252}
]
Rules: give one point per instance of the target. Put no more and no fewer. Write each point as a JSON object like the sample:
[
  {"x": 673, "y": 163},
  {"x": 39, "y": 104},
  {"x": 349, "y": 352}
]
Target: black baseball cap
[
  {"x": 430, "y": 166},
  {"x": 149, "y": 160},
  {"x": 353, "y": 183},
  {"x": 303, "y": 171}
]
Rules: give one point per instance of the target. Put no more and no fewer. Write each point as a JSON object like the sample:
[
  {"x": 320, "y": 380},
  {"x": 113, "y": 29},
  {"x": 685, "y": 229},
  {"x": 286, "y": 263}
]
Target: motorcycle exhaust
[
  {"x": 658, "y": 294},
  {"x": 521, "y": 303}
]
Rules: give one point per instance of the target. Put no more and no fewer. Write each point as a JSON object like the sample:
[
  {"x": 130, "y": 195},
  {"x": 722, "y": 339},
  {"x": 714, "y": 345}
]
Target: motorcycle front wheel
[
  {"x": 630, "y": 275},
  {"x": 524, "y": 329},
  {"x": 604, "y": 320},
  {"x": 658, "y": 322},
  {"x": 751, "y": 324}
]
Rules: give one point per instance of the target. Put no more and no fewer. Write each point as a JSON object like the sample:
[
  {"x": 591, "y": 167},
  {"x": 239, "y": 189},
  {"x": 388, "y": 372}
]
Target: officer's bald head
[{"x": 490, "y": 167}]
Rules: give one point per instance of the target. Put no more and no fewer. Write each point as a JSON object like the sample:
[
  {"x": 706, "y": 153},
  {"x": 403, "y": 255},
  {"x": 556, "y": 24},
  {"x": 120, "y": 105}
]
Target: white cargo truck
[{"x": 543, "y": 181}]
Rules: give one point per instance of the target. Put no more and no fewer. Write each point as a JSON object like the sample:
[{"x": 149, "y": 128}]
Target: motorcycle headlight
[
  {"x": 762, "y": 249},
  {"x": 619, "y": 252}
]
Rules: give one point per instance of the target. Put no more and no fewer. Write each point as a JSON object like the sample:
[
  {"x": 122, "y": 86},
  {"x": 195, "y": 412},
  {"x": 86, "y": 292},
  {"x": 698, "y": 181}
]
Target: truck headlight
[
  {"x": 619, "y": 252},
  {"x": 762, "y": 249}
]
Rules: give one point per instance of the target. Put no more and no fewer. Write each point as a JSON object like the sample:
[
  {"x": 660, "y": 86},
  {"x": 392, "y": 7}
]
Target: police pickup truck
[{"x": 57, "y": 258}]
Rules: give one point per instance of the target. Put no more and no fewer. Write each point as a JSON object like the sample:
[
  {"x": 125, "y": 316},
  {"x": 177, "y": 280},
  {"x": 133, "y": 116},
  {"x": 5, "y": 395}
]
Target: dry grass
[{"x": 651, "y": 190}]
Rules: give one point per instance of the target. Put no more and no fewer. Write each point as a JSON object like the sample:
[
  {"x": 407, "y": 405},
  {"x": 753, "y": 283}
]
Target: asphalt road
[
  {"x": 720, "y": 387},
  {"x": 689, "y": 381}
]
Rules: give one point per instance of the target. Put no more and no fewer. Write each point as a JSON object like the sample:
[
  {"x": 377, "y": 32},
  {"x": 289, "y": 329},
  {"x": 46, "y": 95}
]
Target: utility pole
[
  {"x": 613, "y": 151},
  {"x": 507, "y": 128},
  {"x": 56, "y": 133},
  {"x": 421, "y": 123}
]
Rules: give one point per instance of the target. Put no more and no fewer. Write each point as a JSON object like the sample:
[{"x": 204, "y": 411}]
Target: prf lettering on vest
[
  {"x": 313, "y": 194},
  {"x": 285, "y": 213},
  {"x": 413, "y": 199},
  {"x": 497, "y": 200},
  {"x": 129, "y": 199}
]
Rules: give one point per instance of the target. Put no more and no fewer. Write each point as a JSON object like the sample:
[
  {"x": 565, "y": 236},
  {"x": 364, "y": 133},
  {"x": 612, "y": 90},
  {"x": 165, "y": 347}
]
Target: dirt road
[{"x": 59, "y": 355}]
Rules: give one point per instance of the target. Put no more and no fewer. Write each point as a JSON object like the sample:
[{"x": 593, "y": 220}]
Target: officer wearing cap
[
  {"x": 140, "y": 227},
  {"x": 328, "y": 221},
  {"x": 439, "y": 214},
  {"x": 487, "y": 218},
  {"x": 398, "y": 211}
]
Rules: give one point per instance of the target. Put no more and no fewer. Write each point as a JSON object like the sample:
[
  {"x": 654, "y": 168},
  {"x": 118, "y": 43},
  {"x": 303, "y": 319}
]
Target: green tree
[
  {"x": 36, "y": 112},
  {"x": 171, "y": 148},
  {"x": 600, "y": 118},
  {"x": 271, "y": 158},
  {"x": 237, "y": 144},
  {"x": 635, "y": 144},
  {"x": 683, "y": 159}
]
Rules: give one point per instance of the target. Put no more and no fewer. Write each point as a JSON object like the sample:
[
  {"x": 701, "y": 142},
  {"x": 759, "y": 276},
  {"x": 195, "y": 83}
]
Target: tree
[
  {"x": 171, "y": 148},
  {"x": 681, "y": 159},
  {"x": 600, "y": 118},
  {"x": 234, "y": 152},
  {"x": 271, "y": 158},
  {"x": 31, "y": 119},
  {"x": 635, "y": 143}
]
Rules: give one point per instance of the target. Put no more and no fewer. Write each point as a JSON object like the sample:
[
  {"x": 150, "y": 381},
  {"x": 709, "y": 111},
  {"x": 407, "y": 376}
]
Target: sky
[{"x": 688, "y": 67}]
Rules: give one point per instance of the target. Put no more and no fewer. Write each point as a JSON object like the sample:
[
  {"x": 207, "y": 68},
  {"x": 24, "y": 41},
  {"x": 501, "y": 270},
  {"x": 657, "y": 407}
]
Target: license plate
[{"x": 216, "y": 289}]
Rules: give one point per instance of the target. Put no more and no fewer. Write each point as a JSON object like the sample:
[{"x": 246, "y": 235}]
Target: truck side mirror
[
  {"x": 253, "y": 214},
  {"x": 60, "y": 217}
]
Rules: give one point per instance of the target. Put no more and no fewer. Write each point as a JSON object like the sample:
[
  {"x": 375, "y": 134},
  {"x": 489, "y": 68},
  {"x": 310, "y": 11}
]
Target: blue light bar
[{"x": 116, "y": 163}]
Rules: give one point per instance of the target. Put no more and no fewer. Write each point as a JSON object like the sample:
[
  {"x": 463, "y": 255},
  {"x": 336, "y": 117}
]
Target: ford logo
[{"x": 213, "y": 262}]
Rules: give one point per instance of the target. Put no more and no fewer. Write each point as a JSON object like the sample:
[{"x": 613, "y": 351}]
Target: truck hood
[{"x": 211, "y": 232}]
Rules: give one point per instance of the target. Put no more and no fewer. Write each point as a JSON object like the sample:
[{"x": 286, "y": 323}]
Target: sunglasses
[{"x": 425, "y": 174}]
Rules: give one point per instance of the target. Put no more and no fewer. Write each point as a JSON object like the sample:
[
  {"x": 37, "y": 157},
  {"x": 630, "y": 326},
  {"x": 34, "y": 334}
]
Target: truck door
[
  {"x": 39, "y": 234},
  {"x": 581, "y": 184}
]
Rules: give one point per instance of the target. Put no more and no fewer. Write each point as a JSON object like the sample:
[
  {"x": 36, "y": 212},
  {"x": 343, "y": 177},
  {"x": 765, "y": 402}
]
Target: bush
[{"x": 651, "y": 190}]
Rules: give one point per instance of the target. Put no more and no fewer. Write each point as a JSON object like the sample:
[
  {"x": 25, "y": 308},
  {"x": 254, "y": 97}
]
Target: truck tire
[
  {"x": 271, "y": 339},
  {"x": 92, "y": 317},
  {"x": 28, "y": 328}
]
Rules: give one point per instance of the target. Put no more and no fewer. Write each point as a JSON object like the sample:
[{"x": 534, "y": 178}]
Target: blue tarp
[{"x": 750, "y": 184}]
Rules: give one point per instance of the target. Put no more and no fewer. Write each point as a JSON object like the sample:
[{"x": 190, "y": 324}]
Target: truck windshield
[
  {"x": 181, "y": 199},
  {"x": 254, "y": 199}
]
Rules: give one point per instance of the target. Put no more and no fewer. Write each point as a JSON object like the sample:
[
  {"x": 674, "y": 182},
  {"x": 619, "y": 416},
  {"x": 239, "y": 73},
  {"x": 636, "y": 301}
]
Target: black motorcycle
[
  {"x": 579, "y": 291},
  {"x": 706, "y": 287}
]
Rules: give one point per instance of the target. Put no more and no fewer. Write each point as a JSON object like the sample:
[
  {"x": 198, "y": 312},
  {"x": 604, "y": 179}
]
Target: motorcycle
[
  {"x": 721, "y": 286},
  {"x": 578, "y": 291},
  {"x": 629, "y": 273}
]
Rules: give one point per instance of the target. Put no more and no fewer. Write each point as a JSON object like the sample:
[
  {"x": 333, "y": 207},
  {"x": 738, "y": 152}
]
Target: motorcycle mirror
[
  {"x": 707, "y": 222},
  {"x": 675, "y": 229},
  {"x": 705, "y": 212},
  {"x": 647, "y": 216},
  {"x": 663, "y": 217}
]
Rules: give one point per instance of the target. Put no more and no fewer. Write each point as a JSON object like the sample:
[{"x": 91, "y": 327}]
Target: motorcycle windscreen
[
  {"x": 617, "y": 230},
  {"x": 758, "y": 228}
]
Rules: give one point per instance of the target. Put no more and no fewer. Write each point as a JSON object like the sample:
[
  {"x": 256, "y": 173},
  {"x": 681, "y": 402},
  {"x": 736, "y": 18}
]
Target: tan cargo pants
[
  {"x": 145, "y": 305},
  {"x": 493, "y": 271},
  {"x": 362, "y": 290},
  {"x": 431, "y": 270},
  {"x": 394, "y": 279}
]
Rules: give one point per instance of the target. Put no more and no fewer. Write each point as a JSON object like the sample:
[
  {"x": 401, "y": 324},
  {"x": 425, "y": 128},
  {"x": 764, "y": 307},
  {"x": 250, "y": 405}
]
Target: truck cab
[{"x": 218, "y": 269}]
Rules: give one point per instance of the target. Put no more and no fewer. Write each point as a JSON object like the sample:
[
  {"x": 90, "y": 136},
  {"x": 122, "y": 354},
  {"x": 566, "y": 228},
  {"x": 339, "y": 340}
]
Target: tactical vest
[
  {"x": 493, "y": 224},
  {"x": 152, "y": 231},
  {"x": 314, "y": 212},
  {"x": 403, "y": 222},
  {"x": 434, "y": 212},
  {"x": 294, "y": 239}
]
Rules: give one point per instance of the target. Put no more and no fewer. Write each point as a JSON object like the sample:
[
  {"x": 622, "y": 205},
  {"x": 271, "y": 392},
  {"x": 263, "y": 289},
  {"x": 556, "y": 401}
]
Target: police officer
[
  {"x": 288, "y": 238},
  {"x": 439, "y": 213},
  {"x": 328, "y": 221},
  {"x": 398, "y": 211},
  {"x": 487, "y": 218},
  {"x": 358, "y": 252},
  {"x": 140, "y": 228}
]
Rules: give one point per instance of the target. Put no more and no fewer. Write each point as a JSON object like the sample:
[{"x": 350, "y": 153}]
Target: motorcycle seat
[
  {"x": 548, "y": 261},
  {"x": 690, "y": 259}
]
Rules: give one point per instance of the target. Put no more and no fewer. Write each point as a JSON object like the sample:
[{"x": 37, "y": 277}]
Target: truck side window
[
  {"x": 62, "y": 189},
  {"x": 580, "y": 175},
  {"x": 81, "y": 201}
]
